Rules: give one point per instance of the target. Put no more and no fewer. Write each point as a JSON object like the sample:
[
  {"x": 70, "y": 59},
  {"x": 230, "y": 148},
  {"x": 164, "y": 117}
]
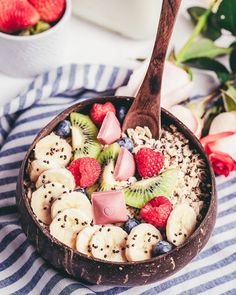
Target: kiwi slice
[
  {"x": 110, "y": 153},
  {"x": 84, "y": 136},
  {"x": 107, "y": 159},
  {"x": 139, "y": 193}
]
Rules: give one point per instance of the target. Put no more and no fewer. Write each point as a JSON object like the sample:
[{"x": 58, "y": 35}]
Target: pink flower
[
  {"x": 176, "y": 85},
  {"x": 221, "y": 150},
  {"x": 222, "y": 163},
  {"x": 187, "y": 117}
]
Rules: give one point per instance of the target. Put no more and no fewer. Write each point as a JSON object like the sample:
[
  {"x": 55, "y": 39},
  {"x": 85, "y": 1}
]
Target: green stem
[{"x": 197, "y": 30}]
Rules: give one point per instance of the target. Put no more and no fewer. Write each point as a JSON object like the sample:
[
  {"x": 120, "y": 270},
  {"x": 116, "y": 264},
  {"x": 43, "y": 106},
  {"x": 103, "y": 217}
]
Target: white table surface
[{"x": 92, "y": 44}]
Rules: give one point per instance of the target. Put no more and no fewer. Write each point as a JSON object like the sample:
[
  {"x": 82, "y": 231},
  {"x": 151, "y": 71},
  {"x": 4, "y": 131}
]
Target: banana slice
[
  {"x": 180, "y": 224},
  {"x": 67, "y": 224},
  {"x": 108, "y": 243},
  {"x": 140, "y": 242},
  {"x": 84, "y": 237},
  {"x": 39, "y": 166},
  {"x": 76, "y": 200},
  {"x": 54, "y": 147},
  {"x": 42, "y": 199},
  {"x": 60, "y": 175}
]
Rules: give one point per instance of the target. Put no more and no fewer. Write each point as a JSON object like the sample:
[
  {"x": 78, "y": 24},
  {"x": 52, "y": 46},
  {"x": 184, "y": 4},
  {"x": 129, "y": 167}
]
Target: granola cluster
[{"x": 192, "y": 187}]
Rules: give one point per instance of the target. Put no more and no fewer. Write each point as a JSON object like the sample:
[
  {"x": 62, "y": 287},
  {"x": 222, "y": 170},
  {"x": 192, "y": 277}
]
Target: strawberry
[
  {"x": 157, "y": 211},
  {"x": 16, "y": 15},
  {"x": 99, "y": 111},
  {"x": 149, "y": 162},
  {"x": 85, "y": 171},
  {"x": 49, "y": 10}
]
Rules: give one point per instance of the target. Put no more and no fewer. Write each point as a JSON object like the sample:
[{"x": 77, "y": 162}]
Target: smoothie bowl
[{"x": 108, "y": 207}]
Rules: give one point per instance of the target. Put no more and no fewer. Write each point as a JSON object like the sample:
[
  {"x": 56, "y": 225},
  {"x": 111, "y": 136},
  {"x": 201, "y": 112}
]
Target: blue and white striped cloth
[{"x": 22, "y": 270}]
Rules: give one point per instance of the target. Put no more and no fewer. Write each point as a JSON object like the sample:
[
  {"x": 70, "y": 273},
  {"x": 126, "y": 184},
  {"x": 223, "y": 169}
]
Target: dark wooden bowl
[{"x": 98, "y": 271}]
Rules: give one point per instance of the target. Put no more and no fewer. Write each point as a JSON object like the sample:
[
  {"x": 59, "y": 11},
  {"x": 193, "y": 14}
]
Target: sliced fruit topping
[
  {"x": 110, "y": 130},
  {"x": 125, "y": 165},
  {"x": 71, "y": 200},
  {"x": 181, "y": 224},
  {"x": 61, "y": 175},
  {"x": 108, "y": 207},
  {"x": 140, "y": 242},
  {"x": 161, "y": 247},
  {"x": 110, "y": 153},
  {"x": 108, "y": 243},
  {"x": 42, "y": 199},
  {"x": 99, "y": 111},
  {"x": 49, "y": 10},
  {"x": 127, "y": 143},
  {"x": 63, "y": 128},
  {"x": 107, "y": 159},
  {"x": 130, "y": 224},
  {"x": 139, "y": 193},
  {"x": 84, "y": 237},
  {"x": 84, "y": 136},
  {"x": 16, "y": 15},
  {"x": 67, "y": 224},
  {"x": 149, "y": 162},
  {"x": 86, "y": 171},
  {"x": 54, "y": 147},
  {"x": 37, "y": 167},
  {"x": 157, "y": 211}
]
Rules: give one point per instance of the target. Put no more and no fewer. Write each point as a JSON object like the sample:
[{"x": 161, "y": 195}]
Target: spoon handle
[{"x": 146, "y": 106}]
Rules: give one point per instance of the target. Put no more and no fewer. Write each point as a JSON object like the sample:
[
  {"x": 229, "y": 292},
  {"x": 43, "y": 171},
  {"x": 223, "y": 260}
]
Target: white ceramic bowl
[{"x": 27, "y": 56}]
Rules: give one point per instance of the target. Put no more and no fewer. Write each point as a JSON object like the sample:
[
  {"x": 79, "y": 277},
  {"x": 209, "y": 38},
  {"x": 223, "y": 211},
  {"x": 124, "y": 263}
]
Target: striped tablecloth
[{"x": 22, "y": 270}]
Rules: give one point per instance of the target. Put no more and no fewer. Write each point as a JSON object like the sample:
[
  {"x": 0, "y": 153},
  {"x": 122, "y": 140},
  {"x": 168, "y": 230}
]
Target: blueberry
[
  {"x": 81, "y": 190},
  {"x": 121, "y": 113},
  {"x": 162, "y": 247},
  {"x": 130, "y": 223},
  {"x": 63, "y": 128},
  {"x": 127, "y": 143}
]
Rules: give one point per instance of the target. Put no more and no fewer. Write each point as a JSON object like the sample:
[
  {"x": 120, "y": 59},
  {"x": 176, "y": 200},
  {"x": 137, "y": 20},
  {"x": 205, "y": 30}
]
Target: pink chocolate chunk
[
  {"x": 125, "y": 165},
  {"x": 110, "y": 130},
  {"x": 109, "y": 207}
]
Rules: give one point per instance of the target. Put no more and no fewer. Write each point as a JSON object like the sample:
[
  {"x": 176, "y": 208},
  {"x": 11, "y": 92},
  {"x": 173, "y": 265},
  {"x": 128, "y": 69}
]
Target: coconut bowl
[{"x": 97, "y": 271}]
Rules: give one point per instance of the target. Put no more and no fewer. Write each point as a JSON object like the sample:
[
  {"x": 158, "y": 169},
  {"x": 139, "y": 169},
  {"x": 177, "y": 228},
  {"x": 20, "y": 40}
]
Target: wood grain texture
[
  {"x": 98, "y": 271},
  {"x": 145, "y": 110}
]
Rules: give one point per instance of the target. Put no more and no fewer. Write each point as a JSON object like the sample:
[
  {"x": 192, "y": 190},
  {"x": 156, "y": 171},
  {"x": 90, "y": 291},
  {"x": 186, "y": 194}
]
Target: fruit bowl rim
[{"x": 66, "y": 112}]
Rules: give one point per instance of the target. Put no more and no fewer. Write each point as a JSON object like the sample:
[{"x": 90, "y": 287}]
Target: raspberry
[
  {"x": 86, "y": 171},
  {"x": 157, "y": 211},
  {"x": 99, "y": 111},
  {"x": 149, "y": 162}
]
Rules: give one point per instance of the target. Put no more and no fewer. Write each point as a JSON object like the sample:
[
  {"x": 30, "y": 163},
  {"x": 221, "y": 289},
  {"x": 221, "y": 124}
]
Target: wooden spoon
[{"x": 145, "y": 110}]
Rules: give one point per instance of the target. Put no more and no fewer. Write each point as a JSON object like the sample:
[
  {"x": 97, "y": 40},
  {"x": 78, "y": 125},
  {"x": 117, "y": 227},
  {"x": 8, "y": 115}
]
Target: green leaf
[
  {"x": 210, "y": 114},
  {"x": 40, "y": 27},
  {"x": 205, "y": 48},
  {"x": 211, "y": 30},
  {"x": 232, "y": 60},
  {"x": 205, "y": 63},
  {"x": 226, "y": 16},
  {"x": 229, "y": 99},
  {"x": 195, "y": 12}
]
